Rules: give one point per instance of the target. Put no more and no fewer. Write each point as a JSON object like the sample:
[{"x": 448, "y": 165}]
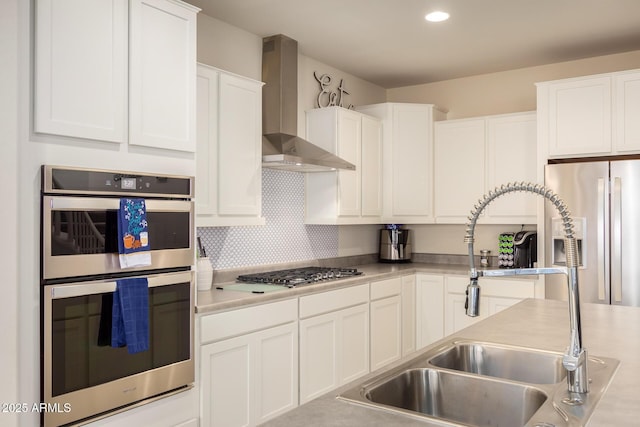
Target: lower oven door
[
  {"x": 80, "y": 235},
  {"x": 83, "y": 376}
]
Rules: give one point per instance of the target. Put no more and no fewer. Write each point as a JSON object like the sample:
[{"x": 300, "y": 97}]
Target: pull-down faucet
[{"x": 575, "y": 359}]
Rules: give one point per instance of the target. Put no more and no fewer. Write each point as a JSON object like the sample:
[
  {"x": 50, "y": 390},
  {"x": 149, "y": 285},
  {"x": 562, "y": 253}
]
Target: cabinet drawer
[
  {"x": 325, "y": 302},
  {"x": 386, "y": 288},
  {"x": 219, "y": 326}
]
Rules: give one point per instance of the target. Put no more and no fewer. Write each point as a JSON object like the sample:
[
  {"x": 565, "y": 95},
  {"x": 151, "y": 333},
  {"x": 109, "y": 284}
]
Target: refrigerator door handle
[
  {"x": 616, "y": 241},
  {"x": 603, "y": 238}
]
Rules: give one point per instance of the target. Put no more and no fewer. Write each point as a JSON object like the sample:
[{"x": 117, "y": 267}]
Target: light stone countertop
[
  {"x": 608, "y": 331},
  {"x": 214, "y": 300}
]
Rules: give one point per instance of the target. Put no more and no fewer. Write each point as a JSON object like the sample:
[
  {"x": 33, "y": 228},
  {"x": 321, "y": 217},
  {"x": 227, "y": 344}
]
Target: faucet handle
[{"x": 571, "y": 362}]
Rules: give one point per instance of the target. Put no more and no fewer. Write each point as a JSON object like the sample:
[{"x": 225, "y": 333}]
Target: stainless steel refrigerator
[{"x": 604, "y": 200}]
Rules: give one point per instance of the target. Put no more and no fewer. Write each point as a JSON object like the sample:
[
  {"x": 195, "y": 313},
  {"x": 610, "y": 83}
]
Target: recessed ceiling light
[{"x": 437, "y": 16}]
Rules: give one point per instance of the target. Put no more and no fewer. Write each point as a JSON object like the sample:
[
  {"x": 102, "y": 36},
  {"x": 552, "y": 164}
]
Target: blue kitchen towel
[
  {"x": 130, "y": 315},
  {"x": 133, "y": 236}
]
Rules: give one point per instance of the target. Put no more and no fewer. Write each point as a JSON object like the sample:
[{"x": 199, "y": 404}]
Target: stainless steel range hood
[{"x": 281, "y": 147}]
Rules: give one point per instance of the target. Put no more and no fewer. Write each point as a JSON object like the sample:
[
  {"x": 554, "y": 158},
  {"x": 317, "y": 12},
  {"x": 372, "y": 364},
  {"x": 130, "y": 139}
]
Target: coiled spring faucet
[{"x": 575, "y": 359}]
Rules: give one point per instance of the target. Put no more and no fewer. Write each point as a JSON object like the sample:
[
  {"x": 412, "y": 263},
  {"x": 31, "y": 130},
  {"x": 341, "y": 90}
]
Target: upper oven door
[{"x": 80, "y": 235}]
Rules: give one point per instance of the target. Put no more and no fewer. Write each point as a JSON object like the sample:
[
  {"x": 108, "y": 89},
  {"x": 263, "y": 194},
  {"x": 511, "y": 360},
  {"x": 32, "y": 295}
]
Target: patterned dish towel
[
  {"x": 133, "y": 237},
  {"x": 130, "y": 315}
]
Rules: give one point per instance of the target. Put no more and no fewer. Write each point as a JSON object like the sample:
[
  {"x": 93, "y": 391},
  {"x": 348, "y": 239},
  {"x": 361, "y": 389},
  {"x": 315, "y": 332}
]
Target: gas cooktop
[{"x": 299, "y": 276}]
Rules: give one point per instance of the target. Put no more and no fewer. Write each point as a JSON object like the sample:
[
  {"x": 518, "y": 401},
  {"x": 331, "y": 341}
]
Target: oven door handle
[
  {"x": 76, "y": 289},
  {"x": 96, "y": 204}
]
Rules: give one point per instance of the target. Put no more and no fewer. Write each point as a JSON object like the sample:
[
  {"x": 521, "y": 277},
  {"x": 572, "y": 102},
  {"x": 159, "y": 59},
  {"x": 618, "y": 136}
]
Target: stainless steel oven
[
  {"x": 79, "y": 220},
  {"x": 83, "y": 376}
]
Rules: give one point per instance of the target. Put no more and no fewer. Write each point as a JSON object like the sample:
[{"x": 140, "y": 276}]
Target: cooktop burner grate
[{"x": 299, "y": 276}]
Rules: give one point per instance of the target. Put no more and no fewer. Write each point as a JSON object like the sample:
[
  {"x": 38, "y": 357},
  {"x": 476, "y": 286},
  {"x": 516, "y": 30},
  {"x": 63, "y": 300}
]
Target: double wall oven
[{"x": 83, "y": 376}]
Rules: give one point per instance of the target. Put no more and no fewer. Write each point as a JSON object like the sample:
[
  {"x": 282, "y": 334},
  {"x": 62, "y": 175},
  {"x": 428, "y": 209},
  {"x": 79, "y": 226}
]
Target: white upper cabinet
[
  {"x": 116, "y": 71},
  {"x": 407, "y": 160},
  {"x": 459, "y": 168},
  {"x": 590, "y": 116},
  {"x": 81, "y": 69},
  {"x": 162, "y": 73},
  {"x": 626, "y": 110},
  {"x": 229, "y": 150},
  {"x": 473, "y": 156},
  {"x": 345, "y": 196},
  {"x": 511, "y": 156}
]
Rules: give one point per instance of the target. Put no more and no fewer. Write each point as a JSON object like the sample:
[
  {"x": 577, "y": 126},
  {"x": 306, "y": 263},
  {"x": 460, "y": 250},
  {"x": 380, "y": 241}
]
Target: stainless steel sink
[
  {"x": 530, "y": 366},
  {"x": 440, "y": 394},
  {"x": 469, "y": 383}
]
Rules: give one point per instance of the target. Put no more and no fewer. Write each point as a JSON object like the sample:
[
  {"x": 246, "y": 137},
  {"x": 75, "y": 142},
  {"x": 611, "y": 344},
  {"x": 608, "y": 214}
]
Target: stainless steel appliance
[
  {"x": 299, "y": 276},
  {"x": 525, "y": 245},
  {"x": 395, "y": 245},
  {"x": 281, "y": 147},
  {"x": 80, "y": 372},
  {"x": 604, "y": 203}
]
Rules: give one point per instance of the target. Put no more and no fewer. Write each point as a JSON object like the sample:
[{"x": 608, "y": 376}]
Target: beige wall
[
  {"x": 229, "y": 48},
  {"x": 506, "y": 92}
]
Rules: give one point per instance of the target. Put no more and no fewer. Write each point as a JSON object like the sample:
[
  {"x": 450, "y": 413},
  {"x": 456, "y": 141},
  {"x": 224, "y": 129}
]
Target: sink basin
[
  {"x": 471, "y": 383},
  {"x": 439, "y": 394},
  {"x": 526, "y": 365}
]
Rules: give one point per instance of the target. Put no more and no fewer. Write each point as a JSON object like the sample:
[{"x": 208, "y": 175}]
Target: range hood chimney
[{"x": 281, "y": 147}]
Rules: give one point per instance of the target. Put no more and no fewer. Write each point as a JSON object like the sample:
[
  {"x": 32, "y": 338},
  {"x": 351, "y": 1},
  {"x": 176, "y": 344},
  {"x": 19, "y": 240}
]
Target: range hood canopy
[{"x": 281, "y": 147}]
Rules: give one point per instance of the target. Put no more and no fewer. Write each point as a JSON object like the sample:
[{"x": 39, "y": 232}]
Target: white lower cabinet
[
  {"x": 386, "y": 322},
  {"x": 334, "y": 339},
  {"x": 249, "y": 373},
  {"x": 429, "y": 308},
  {"x": 495, "y": 295}
]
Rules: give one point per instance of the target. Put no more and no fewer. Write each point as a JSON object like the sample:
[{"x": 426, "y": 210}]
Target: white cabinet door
[
  {"x": 162, "y": 75},
  {"x": 349, "y": 149},
  {"x": 81, "y": 69},
  {"x": 334, "y": 349},
  {"x": 229, "y": 149},
  {"x": 276, "y": 382},
  {"x": 408, "y": 314},
  {"x": 579, "y": 116},
  {"x": 386, "y": 331},
  {"x": 226, "y": 370},
  {"x": 626, "y": 112},
  {"x": 240, "y": 149},
  {"x": 371, "y": 167},
  {"x": 511, "y": 156},
  {"x": 207, "y": 143},
  {"x": 345, "y": 196},
  {"x": 411, "y": 160},
  {"x": 318, "y": 356},
  {"x": 429, "y": 309},
  {"x": 354, "y": 344},
  {"x": 459, "y": 168}
]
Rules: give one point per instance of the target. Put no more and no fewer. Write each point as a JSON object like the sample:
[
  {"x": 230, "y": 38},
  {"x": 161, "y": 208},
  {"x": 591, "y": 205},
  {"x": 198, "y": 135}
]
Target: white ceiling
[{"x": 388, "y": 42}]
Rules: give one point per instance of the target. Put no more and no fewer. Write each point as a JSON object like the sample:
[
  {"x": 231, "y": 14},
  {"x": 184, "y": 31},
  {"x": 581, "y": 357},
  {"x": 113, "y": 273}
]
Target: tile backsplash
[{"x": 284, "y": 238}]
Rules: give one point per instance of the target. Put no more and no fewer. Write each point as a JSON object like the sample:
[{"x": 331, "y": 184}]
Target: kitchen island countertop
[
  {"x": 608, "y": 331},
  {"x": 219, "y": 300}
]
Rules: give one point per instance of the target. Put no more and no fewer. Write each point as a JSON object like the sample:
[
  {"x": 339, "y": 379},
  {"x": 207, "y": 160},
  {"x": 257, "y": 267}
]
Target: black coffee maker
[{"x": 525, "y": 245}]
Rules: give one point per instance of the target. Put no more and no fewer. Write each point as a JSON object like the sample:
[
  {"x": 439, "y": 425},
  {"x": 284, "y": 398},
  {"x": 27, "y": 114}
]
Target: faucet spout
[{"x": 575, "y": 359}]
